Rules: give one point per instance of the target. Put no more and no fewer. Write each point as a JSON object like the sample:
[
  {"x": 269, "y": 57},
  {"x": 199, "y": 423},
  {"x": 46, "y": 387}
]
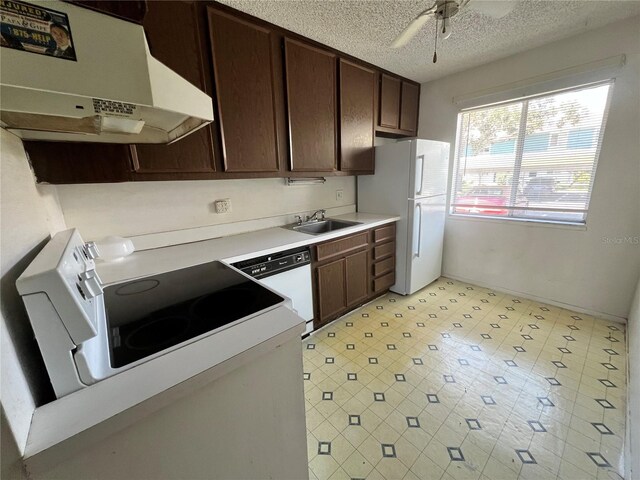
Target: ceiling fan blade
[
  {"x": 492, "y": 8},
  {"x": 410, "y": 31}
]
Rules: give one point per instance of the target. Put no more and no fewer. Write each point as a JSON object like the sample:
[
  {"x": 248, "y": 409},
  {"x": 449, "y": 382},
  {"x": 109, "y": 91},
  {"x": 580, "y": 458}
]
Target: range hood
[{"x": 113, "y": 92}]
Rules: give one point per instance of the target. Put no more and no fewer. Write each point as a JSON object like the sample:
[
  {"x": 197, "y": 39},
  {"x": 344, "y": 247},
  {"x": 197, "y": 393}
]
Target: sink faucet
[
  {"x": 298, "y": 220},
  {"x": 315, "y": 214}
]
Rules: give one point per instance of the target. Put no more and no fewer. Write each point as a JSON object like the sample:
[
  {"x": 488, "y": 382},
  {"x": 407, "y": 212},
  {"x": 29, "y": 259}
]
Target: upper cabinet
[
  {"x": 285, "y": 106},
  {"x": 131, "y": 10},
  {"x": 398, "y": 107},
  {"x": 389, "y": 102},
  {"x": 310, "y": 77},
  {"x": 410, "y": 98},
  {"x": 173, "y": 32},
  {"x": 357, "y": 117},
  {"x": 243, "y": 67}
]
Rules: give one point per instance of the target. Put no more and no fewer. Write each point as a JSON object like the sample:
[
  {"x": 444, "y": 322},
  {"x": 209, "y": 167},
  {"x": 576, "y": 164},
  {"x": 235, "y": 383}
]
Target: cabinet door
[
  {"x": 311, "y": 107},
  {"x": 356, "y": 267},
  {"x": 409, "y": 107},
  {"x": 244, "y": 81},
  {"x": 331, "y": 289},
  {"x": 131, "y": 10},
  {"x": 173, "y": 33},
  {"x": 357, "y": 117},
  {"x": 389, "y": 102},
  {"x": 64, "y": 162}
]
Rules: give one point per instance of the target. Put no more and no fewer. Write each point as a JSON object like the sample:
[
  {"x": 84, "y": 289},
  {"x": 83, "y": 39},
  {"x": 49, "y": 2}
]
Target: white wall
[
  {"x": 569, "y": 266},
  {"x": 247, "y": 424},
  {"x": 632, "y": 447},
  {"x": 138, "y": 208},
  {"x": 29, "y": 216}
]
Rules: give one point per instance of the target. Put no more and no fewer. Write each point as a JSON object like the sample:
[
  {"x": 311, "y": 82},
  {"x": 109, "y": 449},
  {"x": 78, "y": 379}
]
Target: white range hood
[{"x": 115, "y": 91}]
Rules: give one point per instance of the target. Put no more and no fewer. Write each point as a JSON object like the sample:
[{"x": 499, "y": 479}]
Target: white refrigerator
[{"x": 411, "y": 182}]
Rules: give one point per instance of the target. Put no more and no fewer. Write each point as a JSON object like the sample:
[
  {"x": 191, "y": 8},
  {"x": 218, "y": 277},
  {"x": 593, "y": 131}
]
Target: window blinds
[{"x": 534, "y": 159}]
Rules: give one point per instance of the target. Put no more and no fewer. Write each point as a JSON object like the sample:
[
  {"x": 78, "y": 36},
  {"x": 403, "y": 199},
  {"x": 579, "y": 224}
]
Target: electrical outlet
[
  {"x": 223, "y": 206},
  {"x": 339, "y": 194}
]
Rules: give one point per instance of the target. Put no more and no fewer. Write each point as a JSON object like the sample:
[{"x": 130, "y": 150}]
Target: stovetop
[{"x": 152, "y": 314}]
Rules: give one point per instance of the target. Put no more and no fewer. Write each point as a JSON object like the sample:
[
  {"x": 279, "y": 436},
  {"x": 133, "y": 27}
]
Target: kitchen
[{"x": 179, "y": 211}]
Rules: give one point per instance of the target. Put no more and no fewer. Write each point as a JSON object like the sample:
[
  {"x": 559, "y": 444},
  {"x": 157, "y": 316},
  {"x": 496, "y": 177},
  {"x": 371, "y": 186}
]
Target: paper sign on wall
[{"x": 35, "y": 29}]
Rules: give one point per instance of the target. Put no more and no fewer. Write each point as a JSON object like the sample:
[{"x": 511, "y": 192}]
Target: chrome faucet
[
  {"x": 298, "y": 220},
  {"x": 315, "y": 214}
]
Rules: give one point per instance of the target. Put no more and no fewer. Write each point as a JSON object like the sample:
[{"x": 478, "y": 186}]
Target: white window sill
[{"x": 523, "y": 222}]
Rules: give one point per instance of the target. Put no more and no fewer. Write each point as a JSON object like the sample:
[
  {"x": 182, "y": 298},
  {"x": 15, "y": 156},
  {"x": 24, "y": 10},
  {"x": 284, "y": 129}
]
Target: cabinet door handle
[
  {"x": 133, "y": 153},
  {"x": 419, "y": 229}
]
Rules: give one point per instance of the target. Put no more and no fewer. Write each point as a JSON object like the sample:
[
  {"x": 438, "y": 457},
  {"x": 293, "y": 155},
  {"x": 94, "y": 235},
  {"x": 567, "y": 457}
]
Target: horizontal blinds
[{"x": 533, "y": 159}]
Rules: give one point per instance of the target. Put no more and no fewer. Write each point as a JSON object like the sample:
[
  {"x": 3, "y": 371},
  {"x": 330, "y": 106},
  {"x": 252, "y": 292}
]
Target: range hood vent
[{"x": 114, "y": 91}]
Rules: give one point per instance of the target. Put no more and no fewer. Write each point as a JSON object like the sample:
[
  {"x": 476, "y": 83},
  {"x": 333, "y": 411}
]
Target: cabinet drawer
[
  {"x": 384, "y": 266},
  {"x": 384, "y": 250},
  {"x": 387, "y": 232},
  {"x": 341, "y": 246},
  {"x": 384, "y": 282}
]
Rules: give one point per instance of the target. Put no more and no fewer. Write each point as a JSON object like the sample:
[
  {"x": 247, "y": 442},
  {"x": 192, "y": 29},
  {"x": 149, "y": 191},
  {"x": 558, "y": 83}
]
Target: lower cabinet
[
  {"x": 383, "y": 262},
  {"x": 356, "y": 267},
  {"x": 351, "y": 270},
  {"x": 330, "y": 283}
]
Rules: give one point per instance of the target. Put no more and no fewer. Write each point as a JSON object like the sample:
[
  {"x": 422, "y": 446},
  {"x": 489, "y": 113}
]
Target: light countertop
[
  {"x": 87, "y": 415},
  {"x": 233, "y": 248}
]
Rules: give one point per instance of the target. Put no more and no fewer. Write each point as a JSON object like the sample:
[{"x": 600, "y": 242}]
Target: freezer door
[
  {"x": 426, "y": 234},
  {"x": 430, "y": 168}
]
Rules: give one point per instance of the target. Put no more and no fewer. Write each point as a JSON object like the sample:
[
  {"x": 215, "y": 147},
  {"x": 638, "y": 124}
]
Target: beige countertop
[
  {"x": 84, "y": 417},
  {"x": 233, "y": 248}
]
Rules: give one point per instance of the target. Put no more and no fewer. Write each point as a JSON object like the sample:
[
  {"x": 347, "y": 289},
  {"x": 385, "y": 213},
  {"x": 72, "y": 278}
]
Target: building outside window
[{"x": 531, "y": 159}]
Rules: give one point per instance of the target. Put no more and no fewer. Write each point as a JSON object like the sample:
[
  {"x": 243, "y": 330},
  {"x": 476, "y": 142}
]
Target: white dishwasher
[{"x": 288, "y": 273}]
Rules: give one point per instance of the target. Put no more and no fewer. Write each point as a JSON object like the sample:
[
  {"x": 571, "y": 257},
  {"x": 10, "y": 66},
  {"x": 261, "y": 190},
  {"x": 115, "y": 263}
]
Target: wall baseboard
[{"x": 549, "y": 301}]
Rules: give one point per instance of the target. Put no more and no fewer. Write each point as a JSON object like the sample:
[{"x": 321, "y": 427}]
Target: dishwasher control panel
[{"x": 267, "y": 265}]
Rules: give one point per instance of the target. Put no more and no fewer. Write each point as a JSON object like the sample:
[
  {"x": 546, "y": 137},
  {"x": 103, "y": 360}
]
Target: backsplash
[{"x": 133, "y": 209}]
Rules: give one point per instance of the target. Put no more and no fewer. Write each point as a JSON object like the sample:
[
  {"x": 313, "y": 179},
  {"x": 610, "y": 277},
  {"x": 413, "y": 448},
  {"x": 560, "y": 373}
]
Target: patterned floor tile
[{"x": 462, "y": 382}]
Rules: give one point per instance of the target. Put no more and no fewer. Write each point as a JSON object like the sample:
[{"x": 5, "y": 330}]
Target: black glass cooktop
[{"x": 153, "y": 314}]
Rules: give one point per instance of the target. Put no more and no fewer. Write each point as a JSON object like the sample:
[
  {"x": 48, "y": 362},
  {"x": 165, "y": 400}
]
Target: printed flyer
[{"x": 35, "y": 29}]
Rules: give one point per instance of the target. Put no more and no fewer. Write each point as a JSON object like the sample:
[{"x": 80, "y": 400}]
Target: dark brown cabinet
[
  {"x": 310, "y": 77},
  {"x": 131, "y": 10},
  {"x": 284, "y": 106},
  {"x": 350, "y": 270},
  {"x": 356, "y": 267},
  {"x": 331, "y": 297},
  {"x": 398, "y": 107},
  {"x": 383, "y": 261},
  {"x": 173, "y": 33},
  {"x": 409, "y": 108},
  {"x": 243, "y": 65},
  {"x": 62, "y": 162},
  {"x": 341, "y": 284},
  {"x": 357, "y": 117},
  {"x": 390, "y": 88}
]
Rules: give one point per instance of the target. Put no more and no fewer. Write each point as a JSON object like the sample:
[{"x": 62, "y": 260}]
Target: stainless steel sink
[{"x": 321, "y": 226}]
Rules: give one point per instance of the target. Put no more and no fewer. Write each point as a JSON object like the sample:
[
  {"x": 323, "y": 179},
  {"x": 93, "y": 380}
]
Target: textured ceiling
[{"x": 365, "y": 28}]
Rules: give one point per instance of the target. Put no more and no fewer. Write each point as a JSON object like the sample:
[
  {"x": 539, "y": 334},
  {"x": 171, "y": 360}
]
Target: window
[{"x": 533, "y": 159}]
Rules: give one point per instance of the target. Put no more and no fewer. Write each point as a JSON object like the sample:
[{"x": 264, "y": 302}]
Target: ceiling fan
[{"x": 444, "y": 10}]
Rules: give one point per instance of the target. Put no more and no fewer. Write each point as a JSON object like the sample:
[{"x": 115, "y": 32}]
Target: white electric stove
[{"x": 87, "y": 331}]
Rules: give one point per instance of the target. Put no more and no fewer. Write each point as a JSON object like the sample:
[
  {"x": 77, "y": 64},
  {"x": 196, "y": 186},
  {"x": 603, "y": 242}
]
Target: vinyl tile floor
[{"x": 462, "y": 382}]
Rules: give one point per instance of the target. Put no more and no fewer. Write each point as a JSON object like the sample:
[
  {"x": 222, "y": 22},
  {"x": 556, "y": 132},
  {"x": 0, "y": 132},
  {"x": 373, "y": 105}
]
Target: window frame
[{"x": 520, "y": 144}]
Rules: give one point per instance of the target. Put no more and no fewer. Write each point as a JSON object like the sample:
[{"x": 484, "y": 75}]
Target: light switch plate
[
  {"x": 223, "y": 206},
  {"x": 339, "y": 194}
]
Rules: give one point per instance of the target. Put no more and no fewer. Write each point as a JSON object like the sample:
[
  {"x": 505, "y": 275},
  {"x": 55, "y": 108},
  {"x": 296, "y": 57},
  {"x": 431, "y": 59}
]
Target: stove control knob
[
  {"x": 90, "y": 283},
  {"x": 92, "y": 250}
]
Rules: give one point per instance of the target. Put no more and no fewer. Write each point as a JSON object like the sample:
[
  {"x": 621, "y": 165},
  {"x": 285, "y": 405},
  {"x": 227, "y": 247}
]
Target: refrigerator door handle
[
  {"x": 419, "y": 230},
  {"x": 419, "y": 175}
]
